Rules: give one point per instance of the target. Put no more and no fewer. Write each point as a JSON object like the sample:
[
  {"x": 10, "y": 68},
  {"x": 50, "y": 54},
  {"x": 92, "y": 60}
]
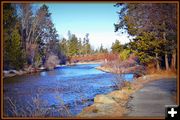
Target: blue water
[{"x": 67, "y": 85}]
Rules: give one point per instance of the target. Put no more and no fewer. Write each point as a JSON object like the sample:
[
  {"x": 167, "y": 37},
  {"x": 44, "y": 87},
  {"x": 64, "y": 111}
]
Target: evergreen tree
[
  {"x": 9, "y": 18},
  {"x": 86, "y": 45},
  {"x": 73, "y": 45},
  {"x": 80, "y": 46},
  {"x": 102, "y": 49},
  {"x": 156, "y": 20},
  {"x": 13, "y": 53},
  {"x": 116, "y": 47},
  {"x": 15, "y": 49},
  {"x": 64, "y": 46}
]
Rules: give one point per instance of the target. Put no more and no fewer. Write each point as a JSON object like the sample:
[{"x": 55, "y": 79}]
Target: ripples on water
[{"x": 72, "y": 86}]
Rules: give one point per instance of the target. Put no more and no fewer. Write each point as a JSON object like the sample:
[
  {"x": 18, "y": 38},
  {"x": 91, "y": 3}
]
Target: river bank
[
  {"x": 30, "y": 70},
  {"x": 90, "y": 62},
  {"x": 137, "y": 70},
  {"x": 11, "y": 73},
  {"x": 114, "y": 104}
]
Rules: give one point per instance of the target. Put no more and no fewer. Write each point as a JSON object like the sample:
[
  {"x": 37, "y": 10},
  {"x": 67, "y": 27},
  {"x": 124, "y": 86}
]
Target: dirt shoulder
[{"x": 115, "y": 104}]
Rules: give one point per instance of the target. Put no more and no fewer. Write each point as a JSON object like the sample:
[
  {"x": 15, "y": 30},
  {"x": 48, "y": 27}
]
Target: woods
[
  {"x": 154, "y": 28},
  {"x": 31, "y": 39},
  {"x": 28, "y": 37}
]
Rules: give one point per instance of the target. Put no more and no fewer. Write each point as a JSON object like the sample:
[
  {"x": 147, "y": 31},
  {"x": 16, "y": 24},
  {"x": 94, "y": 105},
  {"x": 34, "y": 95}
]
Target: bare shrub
[
  {"x": 65, "y": 112},
  {"x": 33, "y": 109},
  {"x": 130, "y": 65},
  {"x": 36, "y": 108},
  {"x": 118, "y": 81},
  {"x": 51, "y": 62}
]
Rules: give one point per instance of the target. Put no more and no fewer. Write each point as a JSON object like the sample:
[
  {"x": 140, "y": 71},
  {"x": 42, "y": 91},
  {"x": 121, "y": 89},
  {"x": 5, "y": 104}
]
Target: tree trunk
[
  {"x": 166, "y": 61},
  {"x": 157, "y": 62},
  {"x": 173, "y": 61},
  {"x": 166, "y": 55}
]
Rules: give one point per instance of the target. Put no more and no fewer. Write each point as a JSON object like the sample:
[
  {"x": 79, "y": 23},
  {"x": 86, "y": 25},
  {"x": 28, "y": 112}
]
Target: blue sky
[{"x": 97, "y": 19}]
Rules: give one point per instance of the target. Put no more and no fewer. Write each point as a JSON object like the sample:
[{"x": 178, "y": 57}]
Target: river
[{"x": 62, "y": 92}]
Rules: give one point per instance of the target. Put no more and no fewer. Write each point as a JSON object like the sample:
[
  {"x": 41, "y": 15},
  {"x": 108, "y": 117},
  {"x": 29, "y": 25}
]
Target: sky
[{"x": 97, "y": 19}]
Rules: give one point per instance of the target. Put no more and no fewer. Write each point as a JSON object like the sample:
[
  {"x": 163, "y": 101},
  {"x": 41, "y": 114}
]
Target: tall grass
[{"x": 35, "y": 107}]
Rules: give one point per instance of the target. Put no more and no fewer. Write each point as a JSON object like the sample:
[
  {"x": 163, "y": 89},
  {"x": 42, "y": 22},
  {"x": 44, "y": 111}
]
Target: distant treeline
[{"x": 78, "y": 47}]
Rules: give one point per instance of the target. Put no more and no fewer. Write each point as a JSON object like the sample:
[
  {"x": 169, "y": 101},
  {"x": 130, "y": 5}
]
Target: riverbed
[{"x": 62, "y": 92}]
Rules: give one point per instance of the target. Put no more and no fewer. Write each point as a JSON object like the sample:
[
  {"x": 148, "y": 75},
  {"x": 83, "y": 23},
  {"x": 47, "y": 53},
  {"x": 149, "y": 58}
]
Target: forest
[
  {"x": 154, "y": 28},
  {"x": 31, "y": 39}
]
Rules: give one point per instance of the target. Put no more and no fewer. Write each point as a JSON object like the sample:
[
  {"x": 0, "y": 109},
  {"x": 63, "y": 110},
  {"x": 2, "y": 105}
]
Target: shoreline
[
  {"x": 128, "y": 70},
  {"x": 90, "y": 62},
  {"x": 12, "y": 73},
  {"x": 115, "y": 102}
]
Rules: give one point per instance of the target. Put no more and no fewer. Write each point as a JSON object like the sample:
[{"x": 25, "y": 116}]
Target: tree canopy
[
  {"x": 154, "y": 26},
  {"x": 31, "y": 37}
]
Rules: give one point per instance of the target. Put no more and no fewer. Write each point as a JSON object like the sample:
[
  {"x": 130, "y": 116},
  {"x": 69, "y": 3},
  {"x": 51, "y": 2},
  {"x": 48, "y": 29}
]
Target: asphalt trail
[{"x": 152, "y": 98}]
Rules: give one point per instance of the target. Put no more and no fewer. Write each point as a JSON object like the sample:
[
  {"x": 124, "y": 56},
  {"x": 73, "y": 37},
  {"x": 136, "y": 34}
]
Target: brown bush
[
  {"x": 127, "y": 66},
  {"x": 51, "y": 62},
  {"x": 94, "y": 57}
]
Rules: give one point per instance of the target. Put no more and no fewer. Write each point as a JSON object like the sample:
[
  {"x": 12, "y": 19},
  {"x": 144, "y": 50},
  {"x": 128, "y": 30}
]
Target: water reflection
[{"x": 43, "y": 73}]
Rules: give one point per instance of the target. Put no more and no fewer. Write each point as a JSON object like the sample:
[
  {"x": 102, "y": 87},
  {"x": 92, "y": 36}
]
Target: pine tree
[
  {"x": 15, "y": 50},
  {"x": 13, "y": 54},
  {"x": 73, "y": 45},
  {"x": 116, "y": 47},
  {"x": 157, "y": 20}
]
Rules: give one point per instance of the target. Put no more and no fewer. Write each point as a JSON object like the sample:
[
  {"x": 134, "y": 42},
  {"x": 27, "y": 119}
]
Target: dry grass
[
  {"x": 35, "y": 107},
  {"x": 14, "y": 109},
  {"x": 151, "y": 69}
]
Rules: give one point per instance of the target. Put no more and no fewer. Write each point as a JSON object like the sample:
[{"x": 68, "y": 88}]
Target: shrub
[
  {"x": 124, "y": 54},
  {"x": 51, "y": 62},
  {"x": 34, "y": 107},
  {"x": 119, "y": 81}
]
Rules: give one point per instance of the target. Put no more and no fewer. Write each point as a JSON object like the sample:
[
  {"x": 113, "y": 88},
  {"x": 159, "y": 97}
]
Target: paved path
[{"x": 151, "y": 99}]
